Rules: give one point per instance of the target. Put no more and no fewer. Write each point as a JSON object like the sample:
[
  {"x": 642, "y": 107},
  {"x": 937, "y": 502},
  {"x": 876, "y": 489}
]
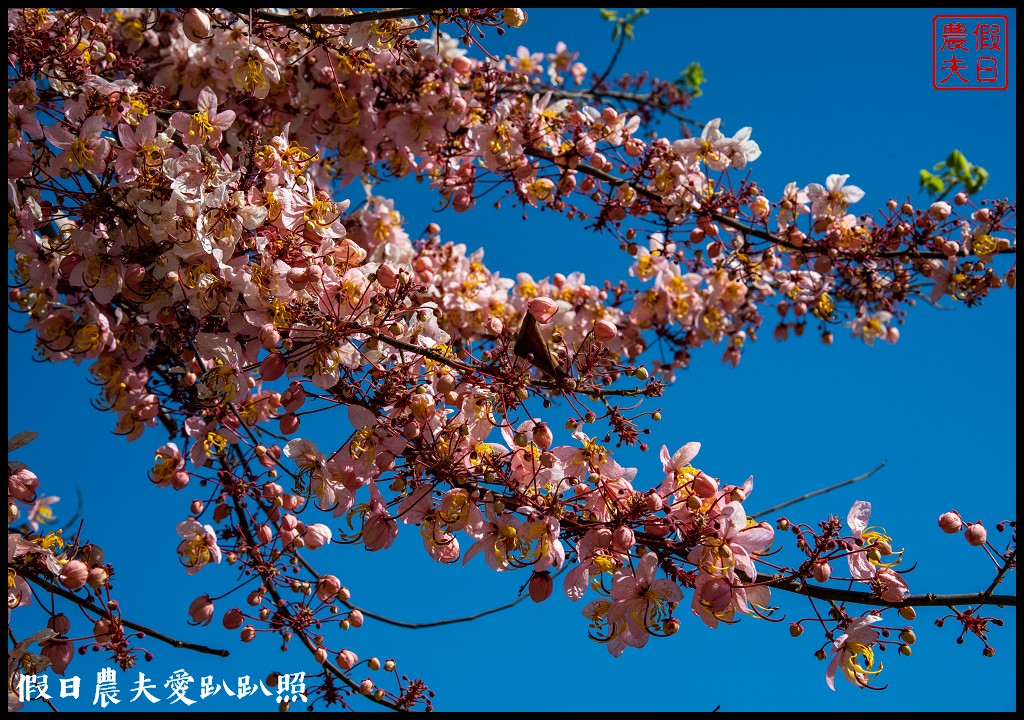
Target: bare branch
[
  {"x": 822, "y": 491},
  {"x": 87, "y": 605}
]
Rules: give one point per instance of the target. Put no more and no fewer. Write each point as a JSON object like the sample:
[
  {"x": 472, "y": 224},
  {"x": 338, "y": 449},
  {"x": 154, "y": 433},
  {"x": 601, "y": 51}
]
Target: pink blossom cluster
[{"x": 176, "y": 221}]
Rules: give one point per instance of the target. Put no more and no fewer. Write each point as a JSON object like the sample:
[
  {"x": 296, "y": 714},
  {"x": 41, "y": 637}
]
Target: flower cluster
[{"x": 177, "y": 222}]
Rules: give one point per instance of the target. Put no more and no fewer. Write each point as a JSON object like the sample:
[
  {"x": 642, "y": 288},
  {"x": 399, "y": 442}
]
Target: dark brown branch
[
  {"x": 822, "y": 491},
  {"x": 293, "y": 21},
  {"x": 87, "y": 605},
  {"x": 864, "y": 598},
  {"x": 733, "y": 222}
]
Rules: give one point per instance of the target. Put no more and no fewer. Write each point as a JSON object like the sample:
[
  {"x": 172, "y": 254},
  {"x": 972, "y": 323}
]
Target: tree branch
[
  {"x": 87, "y": 605},
  {"x": 822, "y": 491},
  {"x": 865, "y": 598},
  {"x": 293, "y": 21}
]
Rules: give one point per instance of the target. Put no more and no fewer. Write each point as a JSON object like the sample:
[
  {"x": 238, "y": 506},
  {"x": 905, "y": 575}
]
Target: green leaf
[
  {"x": 958, "y": 163},
  {"x": 931, "y": 183},
  {"x": 609, "y": 15},
  {"x": 692, "y": 78}
]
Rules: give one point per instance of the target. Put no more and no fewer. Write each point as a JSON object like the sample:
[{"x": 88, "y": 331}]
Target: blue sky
[{"x": 841, "y": 91}]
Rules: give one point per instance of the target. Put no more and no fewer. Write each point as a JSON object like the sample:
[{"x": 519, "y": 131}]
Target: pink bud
[
  {"x": 272, "y": 367},
  {"x": 950, "y": 523},
  {"x": 293, "y": 398},
  {"x": 605, "y": 330},
  {"x": 316, "y": 536},
  {"x": 74, "y": 575},
  {"x": 101, "y": 632},
  {"x": 255, "y": 597},
  {"x": 366, "y": 686},
  {"x": 233, "y": 619},
  {"x": 387, "y": 277},
  {"x": 196, "y": 507},
  {"x": 346, "y": 659},
  {"x": 269, "y": 337},
  {"x": 623, "y": 538},
  {"x": 822, "y": 571},
  {"x": 271, "y": 490},
  {"x": 543, "y": 309},
  {"x": 59, "y": 623},
  {"x": 940, "y": 210},
  {"x": 201, "y": 610},
  {"x": 976, "y": 534},
  {"x": 355, "y": 618},
  {"x": 495, "y": 325},
  {"x": 586, "y": 146},
  {"x": 264, "y": 534},
  {"x": 196, "y": 25},
  {"x": 97, "y": 578},
  {"x": 327, "y": 587},
  {"x": 289, "y": 423},
  {"x": 248, "y": 633},
  {"x": 542, "y": 436},
  {"x": 704, "y": 486},
  {"x": 540, "y": 586},
  {"x": 59, "y": 653}
]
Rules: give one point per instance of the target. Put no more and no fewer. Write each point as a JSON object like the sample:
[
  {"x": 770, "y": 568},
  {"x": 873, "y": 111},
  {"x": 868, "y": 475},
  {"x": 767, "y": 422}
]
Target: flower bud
[
  {"x": 543, "y": 309},
  {"x": 940, "y": 210},
  {"x": 542, "y": 436},
  {"x": 346, "y": 659},
  {"x": 387, "y": 277},
  {"x": 59, "y": 653},
  {"x": 605, "y": 330},
  {"x": 201, "y": 610},
  {"x": 366, "y": 686},
  {"x": 289, "y": 423},
  {"x": 514, "y": 17},
  {"x": 101, "y": 631},
  {"x": 950, "y": 522},
  {"x": 822, "y": 571},
  {"x": 623, "y": 538},
  {"x": 976, "y": 534},
  {"x": 316, "y": 536},
  {"x": 908, "y": 636},
  {"x": 97, "y": 578},
  {"x": 908, "y": 613},
  {"x": 272, "y": 367},
  {"x": 704, "y": 486},
  {"x": 327, "y": 587},
  {"x": 796, "y": 629},
  {"x": 541, "y": 585},
  {"x": 373, "y": 663},
  {"x": 196, "y": 25},
  {"x": 233, "y": 619},
  {"x": 355, "y": 618},
  {"x": 248, "y": 633},
  {"x": 74, "y": 575},
  {"x": 59, "y": 623}
]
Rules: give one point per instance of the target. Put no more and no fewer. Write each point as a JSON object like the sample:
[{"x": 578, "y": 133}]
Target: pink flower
[
  {"x": 84, "y": 151},
  {"x": 889, "y": 585},
  {"x": 206, "y": 125},
  {"x": 835, "y": 197},
  {"x": 874, "y": 543},
  {"x": 198, "y": 545},
  {"x": 642, "y": 602},
  {"x": 41, "y": 512},
  {"x": 854, "y": 654}
]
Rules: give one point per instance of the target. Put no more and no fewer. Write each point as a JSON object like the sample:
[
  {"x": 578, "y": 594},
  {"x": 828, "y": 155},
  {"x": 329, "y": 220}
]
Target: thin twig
[
  {"x": 822, "y": 491},
  {"x": 87, "y": 605}
]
